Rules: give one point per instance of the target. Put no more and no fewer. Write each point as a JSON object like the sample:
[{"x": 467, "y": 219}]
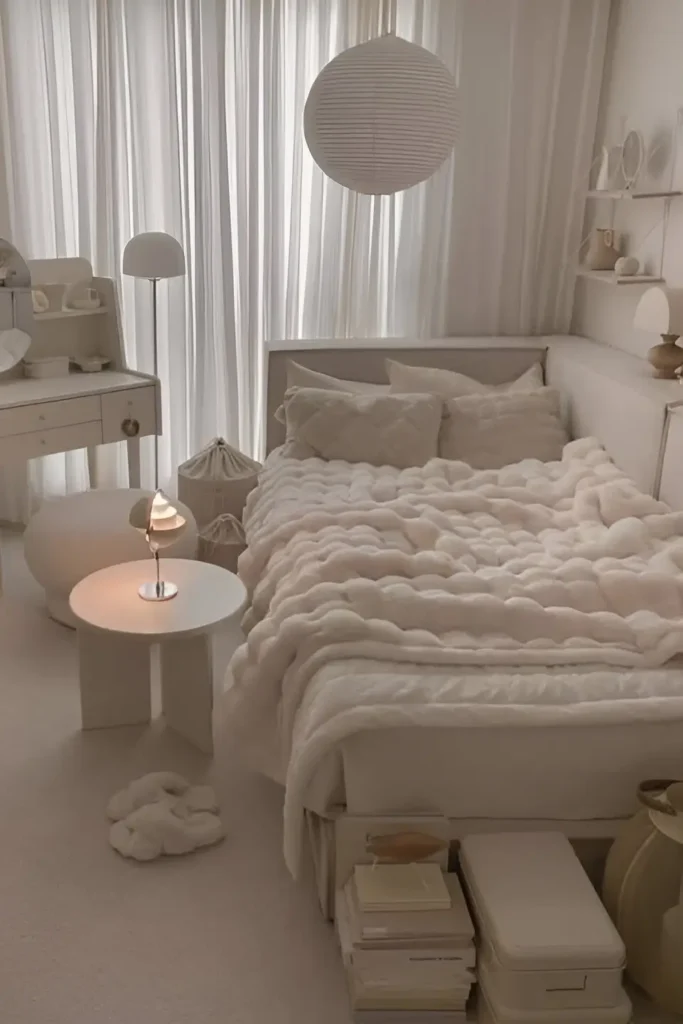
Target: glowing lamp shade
[
  {"x": 162, "y": 525},
  {"x": 382, "y": 116}
]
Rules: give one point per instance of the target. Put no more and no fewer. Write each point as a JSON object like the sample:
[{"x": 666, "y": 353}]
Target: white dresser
[{"x": 79, "y": 409}]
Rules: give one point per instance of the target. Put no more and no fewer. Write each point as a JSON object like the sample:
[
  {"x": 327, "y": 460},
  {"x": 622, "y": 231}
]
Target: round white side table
[{"x": 117, "y": 629}]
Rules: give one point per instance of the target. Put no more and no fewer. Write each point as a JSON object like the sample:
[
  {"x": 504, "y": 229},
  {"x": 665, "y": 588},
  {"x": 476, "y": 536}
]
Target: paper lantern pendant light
[{"x": 382, "y": 116}]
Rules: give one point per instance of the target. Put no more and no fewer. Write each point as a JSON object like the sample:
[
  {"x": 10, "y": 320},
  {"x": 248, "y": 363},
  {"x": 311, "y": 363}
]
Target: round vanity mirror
[
  {"x": 632, "y": 156},
  {"x": 15, "y": 301}
]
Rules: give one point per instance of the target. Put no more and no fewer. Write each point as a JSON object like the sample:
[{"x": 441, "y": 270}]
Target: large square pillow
[
  {"x": 449, "y": 384},
  {"x": 384, "y": 430},
  {"x": 496, "y": 429}
]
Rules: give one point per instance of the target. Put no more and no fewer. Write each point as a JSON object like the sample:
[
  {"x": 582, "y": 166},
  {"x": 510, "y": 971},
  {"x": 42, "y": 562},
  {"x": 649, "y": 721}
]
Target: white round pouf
[
  {"x": 72, "y": 537},
  {"x": 382, "y": 116}
]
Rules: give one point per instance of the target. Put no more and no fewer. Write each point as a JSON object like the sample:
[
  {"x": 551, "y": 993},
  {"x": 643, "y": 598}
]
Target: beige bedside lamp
[
  {"x": 660, "y": 311},
  {"x": 161, "y": 524}
]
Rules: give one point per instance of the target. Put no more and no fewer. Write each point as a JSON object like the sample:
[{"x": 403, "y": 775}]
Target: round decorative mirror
[
  {"x": 15, "y": 306},
  {"x": 632, "y": 157}
]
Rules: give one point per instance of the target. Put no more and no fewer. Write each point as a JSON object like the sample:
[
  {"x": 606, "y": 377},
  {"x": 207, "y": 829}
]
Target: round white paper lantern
[{"x": 382, "y": 116}]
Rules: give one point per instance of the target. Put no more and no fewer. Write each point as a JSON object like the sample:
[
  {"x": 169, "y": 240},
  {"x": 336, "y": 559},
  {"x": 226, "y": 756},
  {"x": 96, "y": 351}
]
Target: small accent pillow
[
  {"x": 414, "y": 379},
  {"x": 497, "y": 429},
  {"x": 384, "y": 430},
  {"x": 301, "y": 377}
]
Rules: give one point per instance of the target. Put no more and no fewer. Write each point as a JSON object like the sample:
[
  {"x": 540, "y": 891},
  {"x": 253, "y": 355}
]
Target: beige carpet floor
[{"x": 223, "y": 936}]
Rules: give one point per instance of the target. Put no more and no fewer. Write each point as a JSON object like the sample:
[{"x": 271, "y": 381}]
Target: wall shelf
[
  {"x": 59, "y": 314},
  {"x": 623, "y": 193},
  {"x": 609, "y": 277}
]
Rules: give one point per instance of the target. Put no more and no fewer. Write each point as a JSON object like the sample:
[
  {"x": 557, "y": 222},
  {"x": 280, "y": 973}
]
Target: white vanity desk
[{"x": 78, "y": 410}]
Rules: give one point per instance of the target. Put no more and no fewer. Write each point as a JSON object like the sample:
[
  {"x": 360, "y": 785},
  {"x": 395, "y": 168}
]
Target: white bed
[{"x": 578, "y": 772}]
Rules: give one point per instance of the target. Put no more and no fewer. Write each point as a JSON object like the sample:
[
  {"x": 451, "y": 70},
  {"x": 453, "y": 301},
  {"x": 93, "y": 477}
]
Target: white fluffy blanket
[{"x": 443, "y": 567}]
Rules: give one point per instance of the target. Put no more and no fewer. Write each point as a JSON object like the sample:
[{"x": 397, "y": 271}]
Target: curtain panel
[{"x": 121, "y": 116}]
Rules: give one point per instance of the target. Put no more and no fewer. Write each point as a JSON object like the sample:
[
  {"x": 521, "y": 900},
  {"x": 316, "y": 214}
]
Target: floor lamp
[{"x": 154, "y": 255}]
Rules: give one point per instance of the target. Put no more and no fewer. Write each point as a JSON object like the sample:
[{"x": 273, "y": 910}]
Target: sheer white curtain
[
  {"x": 530, "y": 79},
  {"x": 119, "y": 116}
]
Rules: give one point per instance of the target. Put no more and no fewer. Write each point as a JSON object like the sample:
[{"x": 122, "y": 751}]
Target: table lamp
[
  {"x": 154, "y": 255},
  {"x": 161, "y": 524},
  {"x": 660, "y": 311}
]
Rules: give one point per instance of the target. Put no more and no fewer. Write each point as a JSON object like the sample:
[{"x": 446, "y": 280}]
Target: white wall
[{"x": 643, "y": 89}]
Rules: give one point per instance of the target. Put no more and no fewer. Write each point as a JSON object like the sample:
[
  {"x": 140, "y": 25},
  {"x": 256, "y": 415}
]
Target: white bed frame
[{"x": 606, "y": 394}]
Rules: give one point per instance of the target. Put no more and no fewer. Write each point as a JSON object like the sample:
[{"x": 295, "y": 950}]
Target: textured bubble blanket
[{"x": 564, "y": 564}]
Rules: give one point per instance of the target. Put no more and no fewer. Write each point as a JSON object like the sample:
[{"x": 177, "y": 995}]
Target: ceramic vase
[{"x": 603, "y": 252}]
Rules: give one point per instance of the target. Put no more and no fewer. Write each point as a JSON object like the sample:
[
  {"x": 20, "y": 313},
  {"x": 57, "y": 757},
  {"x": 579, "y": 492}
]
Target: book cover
[
  {"x": 435, "y": 928},
  {"x": 398, "y": 887}
]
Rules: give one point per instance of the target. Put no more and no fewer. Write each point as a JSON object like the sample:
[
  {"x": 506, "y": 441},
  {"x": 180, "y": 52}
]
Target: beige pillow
[
  {"x": 384, "y": 430},
  {"x": 448, "y": 384},
  {"x": 301, "y": 377},
  {"x": 494, "y": 430}
]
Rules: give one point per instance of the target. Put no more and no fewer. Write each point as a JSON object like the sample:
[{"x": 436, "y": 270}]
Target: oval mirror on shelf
[
  {"x": 632, "y": 156},
  {"x": 15, "y": 306}
]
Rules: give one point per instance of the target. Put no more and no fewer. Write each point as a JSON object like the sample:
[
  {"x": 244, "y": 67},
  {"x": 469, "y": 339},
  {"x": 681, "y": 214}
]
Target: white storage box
[
  {"x": 546, "y": 940},
  {"x": 491, "y": 1012}
]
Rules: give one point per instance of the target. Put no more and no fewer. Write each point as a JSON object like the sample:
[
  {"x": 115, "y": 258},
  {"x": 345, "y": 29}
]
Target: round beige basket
[
  {"x": 222, "y": 542},
  {"x": 217, "y": 481}
]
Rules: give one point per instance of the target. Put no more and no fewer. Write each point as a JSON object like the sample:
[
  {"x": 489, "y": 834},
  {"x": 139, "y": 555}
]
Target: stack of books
[{"x": 407, "y": 942}]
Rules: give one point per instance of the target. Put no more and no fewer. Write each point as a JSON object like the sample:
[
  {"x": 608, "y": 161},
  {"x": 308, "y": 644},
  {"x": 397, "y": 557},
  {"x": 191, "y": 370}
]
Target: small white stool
[{"x": 117, "y": 629}]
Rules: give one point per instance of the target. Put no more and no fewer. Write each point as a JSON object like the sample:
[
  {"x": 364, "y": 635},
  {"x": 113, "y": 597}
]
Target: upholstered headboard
[
  {"x": 491, "y": 360},
  {"x": 606, "y": 393}
]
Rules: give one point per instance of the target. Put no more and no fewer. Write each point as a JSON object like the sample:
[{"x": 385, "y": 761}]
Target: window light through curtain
[{"x": 120, "y": 116}]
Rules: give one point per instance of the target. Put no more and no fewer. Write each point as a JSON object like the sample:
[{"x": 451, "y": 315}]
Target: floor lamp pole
[{"x": 155, "y": 281}]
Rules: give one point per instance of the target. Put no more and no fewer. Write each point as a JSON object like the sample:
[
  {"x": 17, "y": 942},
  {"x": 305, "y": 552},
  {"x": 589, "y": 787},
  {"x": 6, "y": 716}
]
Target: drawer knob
[
  {"x": 130, "y": 427},
  {"x": 42, "y": 419}
]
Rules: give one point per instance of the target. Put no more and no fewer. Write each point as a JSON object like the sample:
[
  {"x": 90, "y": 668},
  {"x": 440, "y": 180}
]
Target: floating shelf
[
  {"x": 59, "y": 314},
  {"x": 622, "y": 193},
  {"x": 609, "y": 277}
]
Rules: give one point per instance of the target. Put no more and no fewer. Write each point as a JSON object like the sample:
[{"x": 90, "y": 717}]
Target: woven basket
[
  {"x": 216, "y": 481},
  {"x": 222, "y": 542}
]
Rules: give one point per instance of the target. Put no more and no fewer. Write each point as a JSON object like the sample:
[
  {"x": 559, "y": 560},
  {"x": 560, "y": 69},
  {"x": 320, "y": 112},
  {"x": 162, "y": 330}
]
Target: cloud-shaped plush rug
[{"x": 161, "y": 813}]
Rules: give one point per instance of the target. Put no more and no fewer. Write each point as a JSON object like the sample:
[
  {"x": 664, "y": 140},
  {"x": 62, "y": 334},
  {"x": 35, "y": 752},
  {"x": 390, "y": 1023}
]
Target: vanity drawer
[
  {"x": 21, "y": 447},
  {"x": 135, "y": 408},
  {"x": 23, "y": 419}
]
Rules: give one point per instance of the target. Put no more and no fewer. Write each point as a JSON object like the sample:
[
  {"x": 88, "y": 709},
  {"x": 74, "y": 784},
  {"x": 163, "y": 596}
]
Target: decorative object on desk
[
  {"x": 46, "y": 366},
  {"x": 55, "y": 296},
  {"x": 14, "y": 344},
  {"x": 602, "y": 252},
  {"x": 72, "y": 537},
  {"x": 161, "y": 813},
  {"x": 154, "y": 255},
  {"x": 81, "y": 296},
  {"x": 382, "y": 116},
  {"x": 405, "y": 847},
  {"x": 222, "y": 541},
  {"x": 626, "y": 266},
  {"x": 216, "y": 481},
  {"x": 632, "y": 157},
  {"x": 643, "y": 892},
  {"x": 162, "y": 525},
  {"x": 39, "y": 300},
  {"x": 660, "y": 311},
  {"x": 91, "y": 364}
]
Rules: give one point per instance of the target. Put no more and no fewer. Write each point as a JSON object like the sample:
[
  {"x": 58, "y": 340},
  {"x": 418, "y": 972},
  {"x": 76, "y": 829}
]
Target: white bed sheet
[{"x": 584, "y": 768}]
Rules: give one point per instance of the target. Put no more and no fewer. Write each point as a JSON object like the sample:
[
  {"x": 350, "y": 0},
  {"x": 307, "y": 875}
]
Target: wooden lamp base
[{"x": 666, "y": 358}]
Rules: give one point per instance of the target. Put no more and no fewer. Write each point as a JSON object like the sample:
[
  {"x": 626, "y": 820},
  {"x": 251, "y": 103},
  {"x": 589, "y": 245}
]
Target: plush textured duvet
[{"x": 536, "y": 565}]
